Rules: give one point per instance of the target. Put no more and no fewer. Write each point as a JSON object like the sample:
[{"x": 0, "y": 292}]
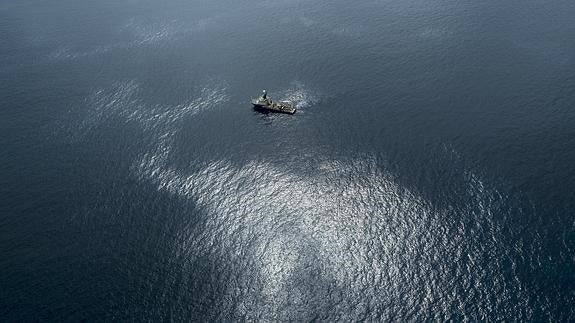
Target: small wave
[
  {"x": 66, "y": 53},
  {"x": 122, "y": 102},
  {"x": 354, "y": 31},
  {"x": 143, "y": 33},
  {"x": 105, "y": 104},
  {"x": 434, "y": 33}
]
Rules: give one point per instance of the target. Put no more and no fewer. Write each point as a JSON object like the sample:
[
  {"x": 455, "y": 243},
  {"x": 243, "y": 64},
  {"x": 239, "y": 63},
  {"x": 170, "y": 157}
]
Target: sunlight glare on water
[{"x": 427, "y": 174}]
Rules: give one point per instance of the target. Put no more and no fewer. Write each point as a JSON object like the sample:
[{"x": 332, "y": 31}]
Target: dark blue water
[{"x": 429, "y": 173}]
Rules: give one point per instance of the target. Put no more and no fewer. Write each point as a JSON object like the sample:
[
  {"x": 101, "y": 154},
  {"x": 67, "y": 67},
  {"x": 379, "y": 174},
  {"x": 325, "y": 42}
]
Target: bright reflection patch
[{"x": 346, "y": 235}]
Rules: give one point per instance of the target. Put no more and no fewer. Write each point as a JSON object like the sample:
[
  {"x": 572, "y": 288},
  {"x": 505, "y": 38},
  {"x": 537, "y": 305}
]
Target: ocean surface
[{"x": 428, "y": 175}]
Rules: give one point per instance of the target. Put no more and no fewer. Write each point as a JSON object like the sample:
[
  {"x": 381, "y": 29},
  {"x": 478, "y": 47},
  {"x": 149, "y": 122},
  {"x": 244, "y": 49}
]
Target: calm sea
[{"x": 429, "y": 173}]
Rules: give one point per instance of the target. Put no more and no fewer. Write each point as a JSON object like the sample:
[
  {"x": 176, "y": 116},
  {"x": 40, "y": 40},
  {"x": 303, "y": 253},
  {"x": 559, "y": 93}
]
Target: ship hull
[{"x": 266, "y": 109}]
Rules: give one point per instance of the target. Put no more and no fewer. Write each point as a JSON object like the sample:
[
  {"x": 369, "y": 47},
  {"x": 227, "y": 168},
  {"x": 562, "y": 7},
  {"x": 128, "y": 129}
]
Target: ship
[{"x": 265, "y": 104}]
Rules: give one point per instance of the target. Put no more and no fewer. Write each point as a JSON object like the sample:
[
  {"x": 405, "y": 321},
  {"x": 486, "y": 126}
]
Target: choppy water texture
[{"x": 428, "y": 174}]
